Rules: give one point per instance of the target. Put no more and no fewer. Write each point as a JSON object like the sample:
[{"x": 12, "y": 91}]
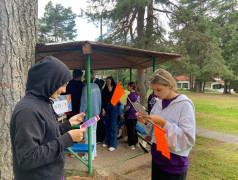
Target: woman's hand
[
  {"x": 76, "y": 119},
  {"x": 141, "y": 119},
  {"x": 155, "y": 119},
  {"x": 76, "y": 134},
  {"x": 103, "y": 112}
]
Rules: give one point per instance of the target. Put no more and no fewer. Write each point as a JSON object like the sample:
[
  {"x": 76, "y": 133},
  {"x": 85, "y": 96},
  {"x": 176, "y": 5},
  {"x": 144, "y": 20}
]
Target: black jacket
[
  {"x": 107, "y": 96},
  {"x": 38, "y": 142},
  {"x": 75, "y": 88}
]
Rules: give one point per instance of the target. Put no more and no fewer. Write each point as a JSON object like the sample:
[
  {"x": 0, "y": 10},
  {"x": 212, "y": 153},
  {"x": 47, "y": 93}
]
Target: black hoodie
[{"x": 38, "y": 142}]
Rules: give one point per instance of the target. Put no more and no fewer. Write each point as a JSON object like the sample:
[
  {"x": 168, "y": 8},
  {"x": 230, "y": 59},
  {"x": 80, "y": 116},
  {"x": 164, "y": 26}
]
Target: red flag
[
  {"x": 161, "y": 143},
  {"x": 118, "y": 93}
]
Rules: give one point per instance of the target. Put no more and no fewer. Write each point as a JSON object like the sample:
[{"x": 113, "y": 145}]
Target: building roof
[
  {"x": 182, "y": 78},
  {"x": 102, "y": 56}
]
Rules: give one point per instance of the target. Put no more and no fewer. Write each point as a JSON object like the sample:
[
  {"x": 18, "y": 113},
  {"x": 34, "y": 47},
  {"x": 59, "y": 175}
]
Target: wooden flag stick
[{"x": 138, "y": 111}]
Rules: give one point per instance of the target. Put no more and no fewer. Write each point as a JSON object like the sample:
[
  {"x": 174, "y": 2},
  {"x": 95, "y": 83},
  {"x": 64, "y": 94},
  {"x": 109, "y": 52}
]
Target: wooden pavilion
[{"x": 91, "y": 55}]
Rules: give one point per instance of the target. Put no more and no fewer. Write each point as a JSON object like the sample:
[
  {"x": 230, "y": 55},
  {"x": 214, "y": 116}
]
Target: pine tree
[
  {"x": 132, "y": 23},
  {"x": 202, "y": 56},
  {"x": 58, "y": 24},
  {"x": 228, "y": 33}
]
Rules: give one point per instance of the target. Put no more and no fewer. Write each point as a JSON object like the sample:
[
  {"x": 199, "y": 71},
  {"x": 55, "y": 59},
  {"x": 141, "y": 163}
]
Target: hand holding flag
[{"x": 161, "y": 143}]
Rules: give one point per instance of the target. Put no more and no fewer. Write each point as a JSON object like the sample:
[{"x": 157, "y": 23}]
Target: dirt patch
[{"x": 122, "y": 163}]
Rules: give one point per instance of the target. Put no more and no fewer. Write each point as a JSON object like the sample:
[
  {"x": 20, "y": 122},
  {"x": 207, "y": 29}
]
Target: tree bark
[
  {"x": 142, "y": 78},
  {"x": 149, "y": 26},
  {"x": 18, "y": 36},
  {"x": 142, "y": 86}
]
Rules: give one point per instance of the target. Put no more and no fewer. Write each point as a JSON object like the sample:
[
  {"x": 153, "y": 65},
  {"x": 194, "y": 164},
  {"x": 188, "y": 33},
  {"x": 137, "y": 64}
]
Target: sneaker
[
  {"x": 119, "y": 133},
  {"x": 85, "y": 158},
  {"x": 111, "y": 149},
  {"x": 104, "y": 145},
  {"x": 132, "y": 147}
]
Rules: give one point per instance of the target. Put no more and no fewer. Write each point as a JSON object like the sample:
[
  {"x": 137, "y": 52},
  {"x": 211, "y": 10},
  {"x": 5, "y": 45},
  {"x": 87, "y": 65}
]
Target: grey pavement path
[{"x": 227, "y": 138}]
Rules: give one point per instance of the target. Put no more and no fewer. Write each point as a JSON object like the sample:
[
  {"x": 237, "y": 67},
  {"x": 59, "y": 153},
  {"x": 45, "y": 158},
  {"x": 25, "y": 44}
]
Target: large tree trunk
[
  {"x": 142, "y": 86},
  {"x": 142, "y": 78},
  {"x": 144, "y": 41},
  {"x": 18, "y": 36},
  {"x": 149, "y": 26}
]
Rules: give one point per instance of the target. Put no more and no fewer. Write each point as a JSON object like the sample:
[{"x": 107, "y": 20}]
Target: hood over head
[{"x": 46, "y": 77}]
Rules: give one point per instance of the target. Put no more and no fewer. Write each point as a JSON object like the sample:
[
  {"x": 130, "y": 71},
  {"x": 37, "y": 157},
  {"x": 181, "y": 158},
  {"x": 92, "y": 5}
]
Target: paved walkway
[{"x": 227, "y": 138}]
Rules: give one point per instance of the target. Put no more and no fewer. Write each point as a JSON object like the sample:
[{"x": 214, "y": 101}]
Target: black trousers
[
  {"x": 131, "y": 131},
  {"x": 101, "y": 129},
  {"x": 159, "y": 174}
]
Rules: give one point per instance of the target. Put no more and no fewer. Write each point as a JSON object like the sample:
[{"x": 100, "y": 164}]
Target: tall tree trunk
[
  {"x": 18, "y": 36},
  {"x": 225, "y": 88},
  {"x": 149, "y": 26},
  {"x": 191, "y": 86},
  {"x": 203, "y": 87},
  {"x": 142, "y": 86},
  {"x": 195, "y": 86},
  {"x": 142, "y": 78},
  {"x": 200, "y": 86},
  {"x": 140, "y": 27}
]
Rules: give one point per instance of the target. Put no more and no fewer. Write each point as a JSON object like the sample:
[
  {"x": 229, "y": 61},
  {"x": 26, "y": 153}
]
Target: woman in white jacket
[{"x": 174, "y": 113}]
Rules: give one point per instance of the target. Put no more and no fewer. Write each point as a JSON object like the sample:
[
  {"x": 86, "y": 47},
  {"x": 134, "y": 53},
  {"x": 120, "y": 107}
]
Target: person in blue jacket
[
  {"x": 38, "y": 141},
  {"x": 96, "y": 104}
]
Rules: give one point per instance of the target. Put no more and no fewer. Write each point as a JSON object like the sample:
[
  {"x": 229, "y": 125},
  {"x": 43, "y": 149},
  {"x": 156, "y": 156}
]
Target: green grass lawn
[
  {"x": 214, "y": 111},
  {"x": 211, "y": 160},
  {"x": 217, "y": 112}
]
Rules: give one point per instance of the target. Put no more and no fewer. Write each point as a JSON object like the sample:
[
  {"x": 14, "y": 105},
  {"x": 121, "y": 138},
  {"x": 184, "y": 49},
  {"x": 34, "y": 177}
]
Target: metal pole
[
  {"x": 90, "y": 169},
  {"x": 154, "y": 65}
]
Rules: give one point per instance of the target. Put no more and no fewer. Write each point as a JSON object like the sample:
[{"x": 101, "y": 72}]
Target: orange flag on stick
[
  {"x": 161, "y": 143},
  {"x": 118, "y": 93}
]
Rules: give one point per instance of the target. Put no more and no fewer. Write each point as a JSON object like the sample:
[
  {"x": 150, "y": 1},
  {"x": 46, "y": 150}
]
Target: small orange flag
[
  {"x": 118, "y": 93},
  {"x": 161, "y": 143}
]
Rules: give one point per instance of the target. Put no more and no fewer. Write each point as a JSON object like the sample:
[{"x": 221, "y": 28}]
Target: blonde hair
[{"x": 163, "y": 77}]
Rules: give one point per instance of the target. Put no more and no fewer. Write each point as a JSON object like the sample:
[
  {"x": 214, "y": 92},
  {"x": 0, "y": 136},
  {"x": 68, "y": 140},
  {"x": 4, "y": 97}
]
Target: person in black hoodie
[
  {"x": 38, "y": 141},
  {"x": 75, "y": 88}
]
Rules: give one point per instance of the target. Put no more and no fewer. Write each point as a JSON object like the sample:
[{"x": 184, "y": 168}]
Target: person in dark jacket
[
  {"x": 110, "y": 112},
  {"x": 101, "y": 123},
  {"x": 75, "y": 88},
  {"x": 38, "y": 141},
  {"x": 131, "y": 118}
]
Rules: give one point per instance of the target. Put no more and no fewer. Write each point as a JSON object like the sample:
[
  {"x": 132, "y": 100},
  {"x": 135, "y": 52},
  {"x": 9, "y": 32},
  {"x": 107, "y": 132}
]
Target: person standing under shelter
[
  {"x": 110, "y": 112},
  {"x": 131, "y": 118},
  {"x": 75, "y": 88},
  {"x": 38, "y": 141},
  {"x": 101, "y": 122},
  {"x": 175, "y": 114},
  {"x": 96, "y": 104},
  {"x": 151, "y": 101}
]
